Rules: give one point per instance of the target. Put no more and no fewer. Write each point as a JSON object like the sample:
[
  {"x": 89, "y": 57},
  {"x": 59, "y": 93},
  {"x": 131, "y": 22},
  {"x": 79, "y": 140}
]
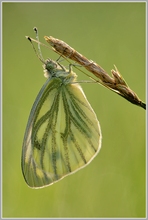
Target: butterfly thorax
[{"x": 53, "y": 69}]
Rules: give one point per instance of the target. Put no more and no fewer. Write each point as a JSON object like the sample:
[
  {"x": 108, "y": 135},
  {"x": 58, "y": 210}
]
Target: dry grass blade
[{"x": 115, "y": 83}]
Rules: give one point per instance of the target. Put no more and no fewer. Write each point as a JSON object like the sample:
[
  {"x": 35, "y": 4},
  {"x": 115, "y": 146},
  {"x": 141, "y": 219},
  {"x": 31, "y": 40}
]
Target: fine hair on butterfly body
[{"x": 63, "y": 133}]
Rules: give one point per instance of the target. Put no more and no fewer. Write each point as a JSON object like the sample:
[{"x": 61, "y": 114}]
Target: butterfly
[{"x": 63, "y": 133}]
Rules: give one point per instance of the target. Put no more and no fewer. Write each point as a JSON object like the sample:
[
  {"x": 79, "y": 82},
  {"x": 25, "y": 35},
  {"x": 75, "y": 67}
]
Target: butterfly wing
[{"x": 62, "y": 136}]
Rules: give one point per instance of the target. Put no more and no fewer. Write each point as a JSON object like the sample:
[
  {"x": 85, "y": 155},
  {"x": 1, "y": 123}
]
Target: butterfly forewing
[{"x": 62, "y": 135}]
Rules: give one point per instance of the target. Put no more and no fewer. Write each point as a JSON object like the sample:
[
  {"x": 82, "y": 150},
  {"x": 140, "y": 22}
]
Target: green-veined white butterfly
[{"x": 63, "y": 134}]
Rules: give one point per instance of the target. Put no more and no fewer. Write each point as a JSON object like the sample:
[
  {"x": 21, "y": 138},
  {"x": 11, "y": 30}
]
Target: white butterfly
[{"x": 63, "y": 134}]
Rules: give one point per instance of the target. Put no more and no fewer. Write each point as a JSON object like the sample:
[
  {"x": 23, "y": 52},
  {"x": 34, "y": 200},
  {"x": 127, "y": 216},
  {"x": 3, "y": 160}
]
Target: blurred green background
[{"x": 113, "y": 184}]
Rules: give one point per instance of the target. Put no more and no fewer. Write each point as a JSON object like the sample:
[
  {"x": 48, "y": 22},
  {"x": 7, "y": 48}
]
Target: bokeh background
[{"x": 113, "y": 184}]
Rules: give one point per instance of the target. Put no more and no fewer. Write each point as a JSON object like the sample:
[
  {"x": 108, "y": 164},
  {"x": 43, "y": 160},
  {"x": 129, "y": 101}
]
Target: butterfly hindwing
[{"x": 62, "y": 135}]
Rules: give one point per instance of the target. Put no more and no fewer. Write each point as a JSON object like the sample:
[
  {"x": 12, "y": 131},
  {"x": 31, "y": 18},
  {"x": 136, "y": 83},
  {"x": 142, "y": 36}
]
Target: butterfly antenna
[
  {"x": 37, "y": 38},
  {"x": 38, "y": 55}
]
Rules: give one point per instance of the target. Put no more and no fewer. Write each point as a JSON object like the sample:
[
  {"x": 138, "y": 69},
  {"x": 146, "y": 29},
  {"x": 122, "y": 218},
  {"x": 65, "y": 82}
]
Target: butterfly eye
[{"x": 50, "y": 65}]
